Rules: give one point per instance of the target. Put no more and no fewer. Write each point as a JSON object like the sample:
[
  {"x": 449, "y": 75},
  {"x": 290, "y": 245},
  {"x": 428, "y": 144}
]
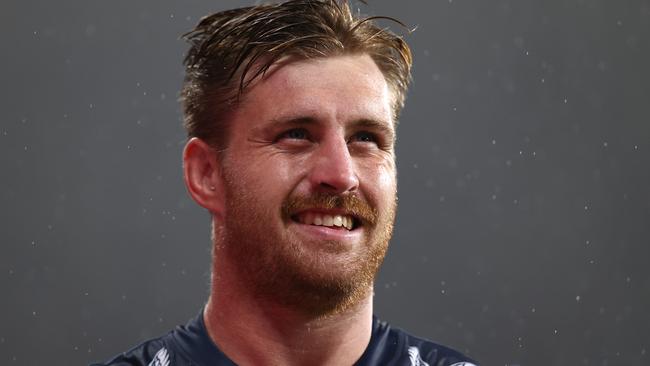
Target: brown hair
[{"x": 230, "y": 49}]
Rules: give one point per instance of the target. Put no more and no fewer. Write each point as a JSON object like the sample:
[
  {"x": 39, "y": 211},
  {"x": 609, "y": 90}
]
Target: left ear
[{"x": 202, "y": 174}]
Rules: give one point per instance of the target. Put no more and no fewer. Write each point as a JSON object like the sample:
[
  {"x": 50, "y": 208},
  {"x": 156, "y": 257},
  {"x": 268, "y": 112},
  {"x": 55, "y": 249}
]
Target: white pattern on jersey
[
  {"x": 414, "y": 356},
  {"x": 161, "y": 358}
]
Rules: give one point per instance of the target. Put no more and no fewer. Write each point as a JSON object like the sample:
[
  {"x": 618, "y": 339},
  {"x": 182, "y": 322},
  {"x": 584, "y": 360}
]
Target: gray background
[{"x": 524, "y": 153}]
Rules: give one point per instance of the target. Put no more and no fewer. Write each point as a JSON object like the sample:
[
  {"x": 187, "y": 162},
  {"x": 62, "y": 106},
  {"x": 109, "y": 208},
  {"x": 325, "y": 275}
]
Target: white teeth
[
  {"x": 311, "y": 218},
  {"x": 338, "y": 220},
  {"x": 328, "y": 220}
]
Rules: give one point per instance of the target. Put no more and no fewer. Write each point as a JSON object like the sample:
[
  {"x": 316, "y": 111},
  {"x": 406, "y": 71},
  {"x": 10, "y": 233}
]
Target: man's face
[{"x": 310, "y": 185}]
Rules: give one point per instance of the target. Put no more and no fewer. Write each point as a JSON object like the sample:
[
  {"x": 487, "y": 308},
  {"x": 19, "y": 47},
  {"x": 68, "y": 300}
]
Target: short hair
[{"x": 230, "y": 49}]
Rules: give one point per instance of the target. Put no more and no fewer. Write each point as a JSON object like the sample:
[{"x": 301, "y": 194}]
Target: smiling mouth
[{"x": 336, "y": 221}]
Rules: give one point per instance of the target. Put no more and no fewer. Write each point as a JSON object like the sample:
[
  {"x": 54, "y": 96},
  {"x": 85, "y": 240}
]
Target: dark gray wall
[{"x": 524, "y": 224}]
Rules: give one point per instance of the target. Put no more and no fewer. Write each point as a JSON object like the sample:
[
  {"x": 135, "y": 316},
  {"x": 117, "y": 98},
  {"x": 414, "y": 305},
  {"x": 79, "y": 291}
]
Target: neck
[{"x": 254, "y": 331}]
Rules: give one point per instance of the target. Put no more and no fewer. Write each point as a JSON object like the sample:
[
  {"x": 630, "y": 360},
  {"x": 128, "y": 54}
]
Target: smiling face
[{"x": 309, "y": 181}]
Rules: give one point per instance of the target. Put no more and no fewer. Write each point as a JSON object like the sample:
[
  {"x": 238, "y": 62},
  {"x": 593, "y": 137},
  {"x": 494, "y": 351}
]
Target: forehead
[{"x": 339, "y": 88}]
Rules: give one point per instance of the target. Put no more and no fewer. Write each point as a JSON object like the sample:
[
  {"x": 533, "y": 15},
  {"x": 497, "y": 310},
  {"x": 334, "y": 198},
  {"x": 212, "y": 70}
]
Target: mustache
[{"x": 350, "y": 203}]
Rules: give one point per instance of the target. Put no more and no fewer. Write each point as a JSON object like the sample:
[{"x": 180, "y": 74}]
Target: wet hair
[{"x": 230, "y": 49}]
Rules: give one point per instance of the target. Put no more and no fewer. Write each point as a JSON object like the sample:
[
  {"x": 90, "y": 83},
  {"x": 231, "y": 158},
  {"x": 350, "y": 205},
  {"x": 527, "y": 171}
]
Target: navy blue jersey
[{"x": 190, "y": 345}]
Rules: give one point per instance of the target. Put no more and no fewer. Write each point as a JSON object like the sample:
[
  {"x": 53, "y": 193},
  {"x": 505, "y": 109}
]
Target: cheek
[
  {"x": 387, "y": 182},
  {"x": 271, "y": 176},
  {"x": 381, "y": 181}
]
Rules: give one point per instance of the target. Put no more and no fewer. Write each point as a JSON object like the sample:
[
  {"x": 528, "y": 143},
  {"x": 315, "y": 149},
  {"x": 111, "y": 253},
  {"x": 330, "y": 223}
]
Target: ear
[{"x": 202, "y": 175}]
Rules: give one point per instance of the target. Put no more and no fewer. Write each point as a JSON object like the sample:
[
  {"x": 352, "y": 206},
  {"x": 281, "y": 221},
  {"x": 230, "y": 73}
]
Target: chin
[{"x": 326, "y": 282}]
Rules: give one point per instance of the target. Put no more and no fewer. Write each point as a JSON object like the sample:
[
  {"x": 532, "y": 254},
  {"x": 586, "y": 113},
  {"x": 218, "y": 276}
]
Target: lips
[{"x": 341, "y": 221}]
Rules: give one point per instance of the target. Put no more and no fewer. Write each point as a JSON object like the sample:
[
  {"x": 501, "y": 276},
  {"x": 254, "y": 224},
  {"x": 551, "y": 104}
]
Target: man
[{"x": 291, "y": 111}]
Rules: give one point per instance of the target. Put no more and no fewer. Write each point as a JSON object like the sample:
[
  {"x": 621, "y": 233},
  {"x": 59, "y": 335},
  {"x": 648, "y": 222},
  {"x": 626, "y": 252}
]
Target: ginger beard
[{"x": 318, "y": 279}]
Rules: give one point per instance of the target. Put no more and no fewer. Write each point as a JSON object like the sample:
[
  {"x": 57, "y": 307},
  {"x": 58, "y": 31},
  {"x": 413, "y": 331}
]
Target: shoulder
[
  {"x": 154, "y": 352},
  {"x": 394, "y": 346},
  {"x": 424, "y": 352},
  {"x": 186, "y": 345}
]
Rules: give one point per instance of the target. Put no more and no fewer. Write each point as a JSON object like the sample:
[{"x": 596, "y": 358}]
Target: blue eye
[
  {"x": 295, "y": 134},
  {"x": 364, "y": 136}
]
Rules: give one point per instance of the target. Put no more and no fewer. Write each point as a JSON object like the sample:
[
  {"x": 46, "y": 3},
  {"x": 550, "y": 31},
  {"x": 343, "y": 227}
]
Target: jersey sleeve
[{"x": 150, "y": 353}]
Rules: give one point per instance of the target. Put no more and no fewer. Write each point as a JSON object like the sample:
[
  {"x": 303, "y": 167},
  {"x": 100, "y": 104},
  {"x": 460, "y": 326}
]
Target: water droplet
[{"x": 90, "y": 30}]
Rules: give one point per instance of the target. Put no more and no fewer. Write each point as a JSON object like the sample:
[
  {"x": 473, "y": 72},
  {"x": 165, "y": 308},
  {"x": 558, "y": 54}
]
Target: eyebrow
[{"x": 293, "y": 121}]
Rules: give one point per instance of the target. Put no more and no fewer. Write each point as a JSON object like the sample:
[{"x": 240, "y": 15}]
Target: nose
[{"x": 334, "y": 170}]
